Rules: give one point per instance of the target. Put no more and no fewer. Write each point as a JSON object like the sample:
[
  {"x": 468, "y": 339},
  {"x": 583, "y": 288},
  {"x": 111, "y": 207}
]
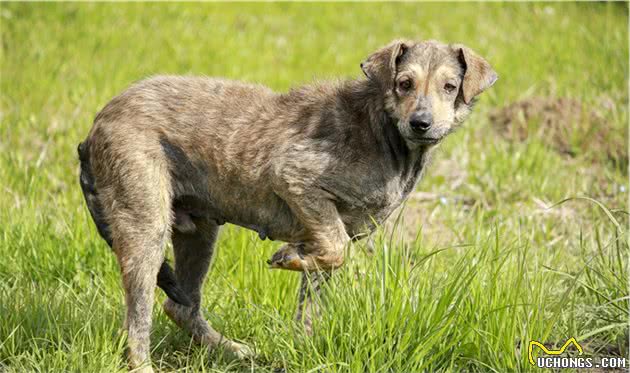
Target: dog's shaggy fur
[{"x": 173, "y": 158}]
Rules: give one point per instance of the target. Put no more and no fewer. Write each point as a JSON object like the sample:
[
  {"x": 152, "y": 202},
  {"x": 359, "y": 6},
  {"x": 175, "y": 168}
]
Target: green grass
[{"x": 490, "y": 268}]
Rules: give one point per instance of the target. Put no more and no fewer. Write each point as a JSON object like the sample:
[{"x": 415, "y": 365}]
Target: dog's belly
[
  {"x": 280, "y": 228},
  {"x": 272, "y": 218},
  {"x": 262, "y": 212}
]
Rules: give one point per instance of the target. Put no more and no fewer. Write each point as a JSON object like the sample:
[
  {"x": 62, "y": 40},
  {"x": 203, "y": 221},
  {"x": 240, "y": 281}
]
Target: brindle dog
[{"x": 174, "y": 158}]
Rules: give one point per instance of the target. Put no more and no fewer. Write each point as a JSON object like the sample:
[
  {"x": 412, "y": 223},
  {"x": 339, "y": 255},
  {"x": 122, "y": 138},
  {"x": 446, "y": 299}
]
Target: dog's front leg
[
  {"x": 310, "y": 298},
  {"x": 325, "y": 236}
]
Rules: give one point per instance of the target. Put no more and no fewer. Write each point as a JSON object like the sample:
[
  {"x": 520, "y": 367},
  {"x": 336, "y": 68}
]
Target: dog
[{"x": 174, "y": 158}]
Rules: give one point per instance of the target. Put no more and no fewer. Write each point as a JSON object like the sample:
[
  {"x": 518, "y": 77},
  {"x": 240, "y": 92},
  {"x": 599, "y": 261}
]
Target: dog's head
[{"x": 428, "y": 87}]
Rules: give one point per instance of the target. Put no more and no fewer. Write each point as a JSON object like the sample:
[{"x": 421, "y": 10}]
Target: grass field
[{"x": 477, "y": 266}]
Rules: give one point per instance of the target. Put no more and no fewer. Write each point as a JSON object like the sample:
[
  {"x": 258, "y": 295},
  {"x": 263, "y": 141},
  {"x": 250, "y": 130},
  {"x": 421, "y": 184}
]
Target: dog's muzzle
[{"x": 421, "y": 122}]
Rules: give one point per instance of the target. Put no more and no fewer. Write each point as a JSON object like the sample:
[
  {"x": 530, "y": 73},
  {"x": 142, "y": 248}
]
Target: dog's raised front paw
[{"x": 288, "y": 257}]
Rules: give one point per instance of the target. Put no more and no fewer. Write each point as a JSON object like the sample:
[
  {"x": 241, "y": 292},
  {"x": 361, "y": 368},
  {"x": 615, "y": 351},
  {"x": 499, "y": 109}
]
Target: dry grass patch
[{"x": 568, "y": 126}]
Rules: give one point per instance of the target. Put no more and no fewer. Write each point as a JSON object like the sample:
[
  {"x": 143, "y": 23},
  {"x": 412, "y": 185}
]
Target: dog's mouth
[{"x": 427, "y": 140}]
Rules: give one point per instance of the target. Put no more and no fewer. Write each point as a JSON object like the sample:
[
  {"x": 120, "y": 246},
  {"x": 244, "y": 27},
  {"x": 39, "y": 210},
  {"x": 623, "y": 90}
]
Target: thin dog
[{"x": 174, "y": 158}]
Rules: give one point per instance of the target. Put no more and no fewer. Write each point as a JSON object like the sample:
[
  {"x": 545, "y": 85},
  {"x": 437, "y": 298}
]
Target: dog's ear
[
  {"x": 381, "y": 65},
  {"x": 478, "y": 74}
]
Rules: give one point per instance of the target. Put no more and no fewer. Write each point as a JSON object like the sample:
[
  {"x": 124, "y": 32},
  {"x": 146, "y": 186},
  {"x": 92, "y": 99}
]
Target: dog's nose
[{"x": 421, "y": 121}]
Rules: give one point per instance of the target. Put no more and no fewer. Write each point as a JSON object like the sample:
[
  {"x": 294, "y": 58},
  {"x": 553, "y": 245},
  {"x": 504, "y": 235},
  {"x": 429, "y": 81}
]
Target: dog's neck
[{"x": 367, "y": 97}]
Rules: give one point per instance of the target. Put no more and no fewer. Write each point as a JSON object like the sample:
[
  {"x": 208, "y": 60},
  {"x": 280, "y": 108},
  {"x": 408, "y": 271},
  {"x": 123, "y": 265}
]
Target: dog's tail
[{"x": 165, "y": 278}]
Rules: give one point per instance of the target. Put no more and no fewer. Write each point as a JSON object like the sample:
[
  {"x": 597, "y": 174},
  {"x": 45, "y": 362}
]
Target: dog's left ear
[
  {"x": 478, "y": 74},
  {"x": 381, "y": 65}
]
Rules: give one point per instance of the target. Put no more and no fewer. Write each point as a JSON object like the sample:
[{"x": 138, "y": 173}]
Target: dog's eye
[
  {"x": 449, "y": 88},
  {"x": 405, "y": 85}
]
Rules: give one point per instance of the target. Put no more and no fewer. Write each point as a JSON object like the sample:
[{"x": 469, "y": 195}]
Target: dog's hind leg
[
  {"x": 140, "y": 220},
  {"x": 140, "y": 257},
  {"x": 193, "y": 254},
  {"x": 165, "y": 279}
]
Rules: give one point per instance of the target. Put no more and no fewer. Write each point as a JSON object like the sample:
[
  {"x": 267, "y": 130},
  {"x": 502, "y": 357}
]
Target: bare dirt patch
[{"x": 568, "y": 126}]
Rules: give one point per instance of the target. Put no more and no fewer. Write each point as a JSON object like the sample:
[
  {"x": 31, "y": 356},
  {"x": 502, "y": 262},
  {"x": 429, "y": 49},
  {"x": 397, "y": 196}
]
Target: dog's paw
[
  {"x": 240, "y": 351},
  {"x": 288, "y": 257}
]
